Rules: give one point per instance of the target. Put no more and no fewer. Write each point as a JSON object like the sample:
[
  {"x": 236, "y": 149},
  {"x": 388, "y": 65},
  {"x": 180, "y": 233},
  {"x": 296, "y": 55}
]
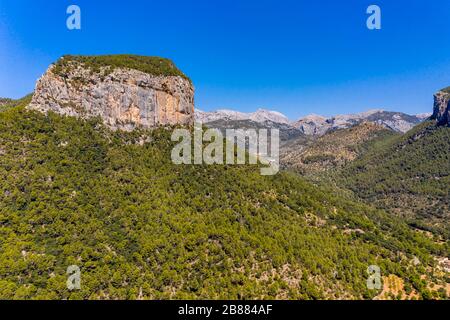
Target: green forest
[
  {"x": 152, "y": 65},
  {"x": 139, "y": 227},
  {"x": 407, "y": 175}
]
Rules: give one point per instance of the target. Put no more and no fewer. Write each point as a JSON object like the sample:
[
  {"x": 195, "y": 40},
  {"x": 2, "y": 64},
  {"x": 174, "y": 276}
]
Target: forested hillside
[
  {"x": 140, "y": 227},
  {"x": 7, "y": 104},
  {"x": 407, "y": 175},
  {"x": 333, "y": 150}
]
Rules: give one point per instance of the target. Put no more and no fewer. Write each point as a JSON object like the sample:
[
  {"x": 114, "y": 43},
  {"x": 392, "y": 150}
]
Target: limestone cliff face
[
  {"x": 123, "y": 98},
  {"x": 441, "y": 112}
]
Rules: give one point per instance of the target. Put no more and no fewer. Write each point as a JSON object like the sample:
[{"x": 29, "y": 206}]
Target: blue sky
[{"x": 297, "y": 57}]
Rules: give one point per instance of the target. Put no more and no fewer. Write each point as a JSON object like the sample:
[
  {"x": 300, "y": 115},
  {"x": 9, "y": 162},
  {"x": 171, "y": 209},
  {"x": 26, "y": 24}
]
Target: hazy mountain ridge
[
  {"x": 316, "y": 125},
  {"x": 261, "y": 115}
]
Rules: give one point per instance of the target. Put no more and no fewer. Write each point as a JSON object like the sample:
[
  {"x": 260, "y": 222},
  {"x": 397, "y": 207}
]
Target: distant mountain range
[
  {"x": 314, "y": 125},
  {"x": 261, "y": 115}
]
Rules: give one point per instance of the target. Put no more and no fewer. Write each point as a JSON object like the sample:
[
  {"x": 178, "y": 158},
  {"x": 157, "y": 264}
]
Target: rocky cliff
[
  {"x": 441, "y": 112},
  {"x": 124, "y": 91}
]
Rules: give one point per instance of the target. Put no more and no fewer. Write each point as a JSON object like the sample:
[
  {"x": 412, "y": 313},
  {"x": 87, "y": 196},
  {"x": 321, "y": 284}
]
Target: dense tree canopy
[{"x": 138, "y": 226}]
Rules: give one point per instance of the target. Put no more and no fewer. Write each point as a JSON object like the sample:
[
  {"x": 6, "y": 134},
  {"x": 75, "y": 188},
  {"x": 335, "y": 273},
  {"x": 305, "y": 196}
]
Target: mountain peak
[
  {"x": 124, "y": 91},
  {"x": 260, "y": 115},
  {"x": 313, "y": 117},
  {"x": 5, "y": 101}
]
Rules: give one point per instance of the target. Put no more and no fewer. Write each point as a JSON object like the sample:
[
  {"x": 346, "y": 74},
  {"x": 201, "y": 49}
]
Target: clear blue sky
[{"x": 297, "y": 57}]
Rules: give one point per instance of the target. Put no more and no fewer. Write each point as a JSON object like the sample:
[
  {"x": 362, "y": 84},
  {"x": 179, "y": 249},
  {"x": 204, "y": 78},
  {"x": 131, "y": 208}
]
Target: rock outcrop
[
  {"x": 313, "y": 125},
  {"x": 441, "y": 112},
  {"x": 124, "y": 98}
]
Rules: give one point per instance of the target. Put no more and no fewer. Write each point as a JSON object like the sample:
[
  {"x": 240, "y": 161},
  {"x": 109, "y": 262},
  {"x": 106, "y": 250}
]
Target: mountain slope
[
  {"x": 10, "y": 103},
  {"x": 5, "y": 101},
  {"x": 139, "y": 227},
  {"x": 409, "y": 175},
  {"x": 332, "y": 150},
  {"x": 287, "y": 132}
]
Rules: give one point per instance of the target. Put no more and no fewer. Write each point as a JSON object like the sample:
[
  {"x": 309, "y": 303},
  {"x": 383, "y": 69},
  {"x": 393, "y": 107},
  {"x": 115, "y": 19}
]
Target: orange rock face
[{"x": 124, "y": 99}]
